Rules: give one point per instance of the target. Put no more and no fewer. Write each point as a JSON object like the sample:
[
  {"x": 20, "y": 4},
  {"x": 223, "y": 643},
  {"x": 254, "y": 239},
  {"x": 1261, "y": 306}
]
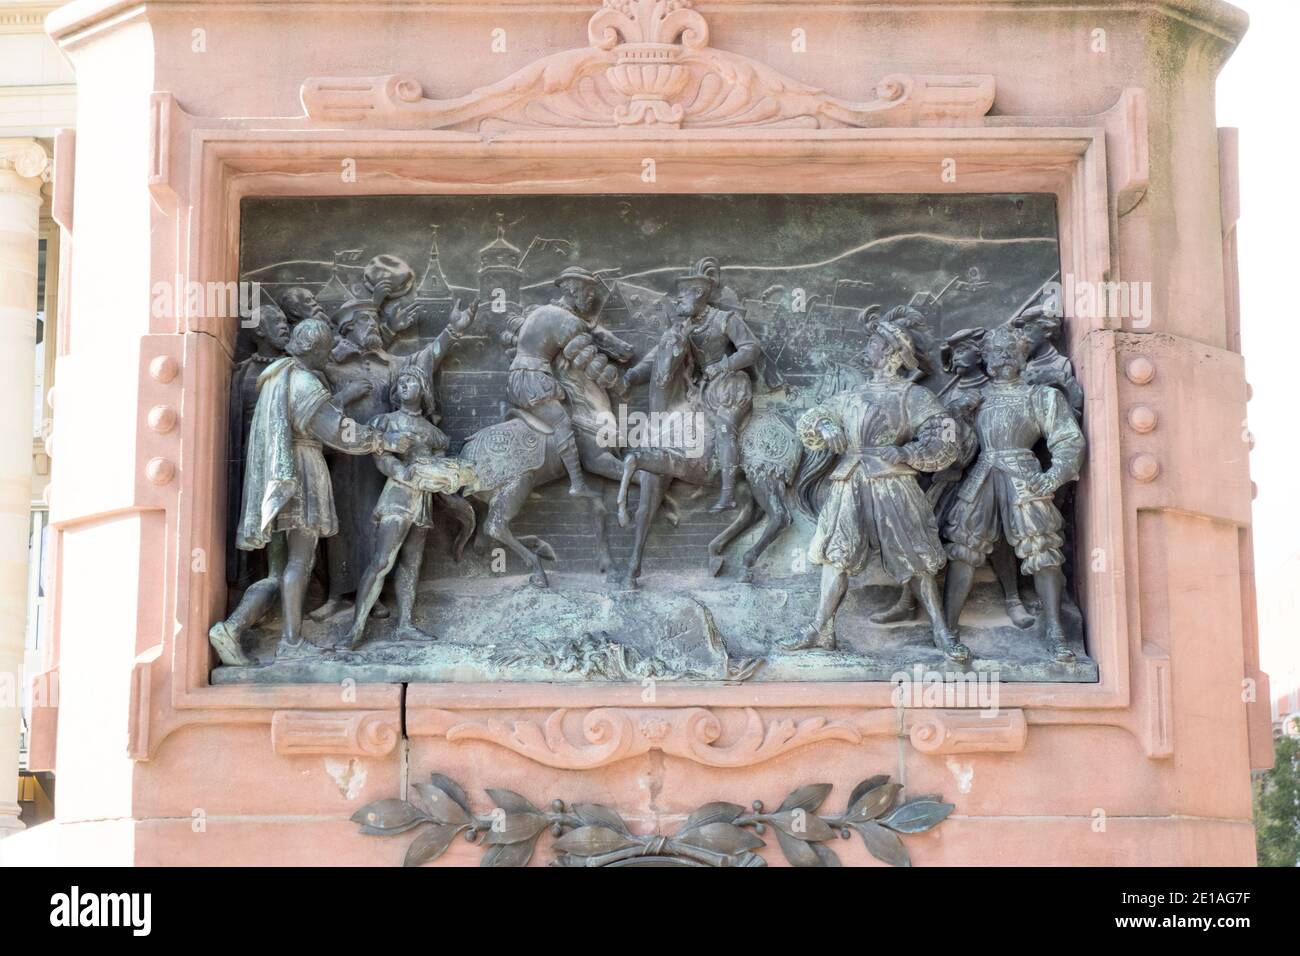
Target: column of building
[{"x": 22, "y": 163}]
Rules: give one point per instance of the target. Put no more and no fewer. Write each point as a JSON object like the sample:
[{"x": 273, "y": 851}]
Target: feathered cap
[
  {"x": 705, "y": 271},
  {"x": 904, "y": 328}
]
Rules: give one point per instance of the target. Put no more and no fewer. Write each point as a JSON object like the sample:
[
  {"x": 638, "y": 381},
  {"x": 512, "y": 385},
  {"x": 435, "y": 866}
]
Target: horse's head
[{"x": 671, "y": 358}]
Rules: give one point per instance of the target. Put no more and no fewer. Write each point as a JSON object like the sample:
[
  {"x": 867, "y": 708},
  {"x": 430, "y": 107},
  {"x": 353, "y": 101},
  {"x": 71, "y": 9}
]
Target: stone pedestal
[{"x": 1108, "y": 106}]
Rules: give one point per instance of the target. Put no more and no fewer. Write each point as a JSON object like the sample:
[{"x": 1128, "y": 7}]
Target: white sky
[{"x": 1256, "y": 96}]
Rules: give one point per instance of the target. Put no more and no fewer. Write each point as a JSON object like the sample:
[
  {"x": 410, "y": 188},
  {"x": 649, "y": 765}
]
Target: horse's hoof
[
  {"x": 538, "y": 579},
  {"x": 716, "y": 562},
  {"x": 631, "y": 582},
  {"x": 747, "y": 576},
  {"x": 380, "y": 611},
  {"x": 409, "y": 632}
]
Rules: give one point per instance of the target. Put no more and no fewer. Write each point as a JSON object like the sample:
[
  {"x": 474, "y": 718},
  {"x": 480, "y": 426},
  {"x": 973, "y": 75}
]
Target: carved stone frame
[{"x": 205, "y": 166}]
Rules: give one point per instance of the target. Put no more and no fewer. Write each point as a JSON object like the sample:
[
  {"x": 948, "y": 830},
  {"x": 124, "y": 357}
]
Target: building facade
[{"x": 37, "y": 100}]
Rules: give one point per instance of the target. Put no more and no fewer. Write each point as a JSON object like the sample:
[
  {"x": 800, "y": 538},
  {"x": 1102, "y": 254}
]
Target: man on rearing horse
[
  {"x": 722, "y": 349},
  {"x": 563, "y": 331}
]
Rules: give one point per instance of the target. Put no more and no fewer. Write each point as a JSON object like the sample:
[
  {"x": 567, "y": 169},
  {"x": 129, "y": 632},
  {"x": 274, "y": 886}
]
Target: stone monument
[{"x": 661, "y": 426}]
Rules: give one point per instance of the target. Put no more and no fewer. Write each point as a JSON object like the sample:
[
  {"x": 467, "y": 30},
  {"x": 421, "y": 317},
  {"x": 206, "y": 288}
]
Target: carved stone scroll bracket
[
  {"x": 571, "y": 739},
  {"x": 939, "y": 732},
  {"x": 648, "y": 64},
  {"x": 356, "y": 733}
]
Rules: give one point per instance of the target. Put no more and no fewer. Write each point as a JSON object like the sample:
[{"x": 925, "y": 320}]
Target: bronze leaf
[
  {"x": 593, "y": 814},
  {"x": 917, "y": 816},
  {"x": 388, "y": 817},
  {"x": 517, "y": 828},
  {"x": 593, "y": 841},
  {"x": 721, "y": 837},
  {"x": 713, "y": 813},
  {"x": 870, "y": 783},
  {"x": 883, "y": 844},
  {"x": 452, "y": 789},
  {"x": 804, "y": 854},
  {"x": 509, "y": 800},
  {"x": 509, "y": 854},
  {"x": 806, "y": 826},
  {"x": 437, "y": 803},
  {"x": 430, "y": 844},
  {"x": 875, "y": 802},
  {"x": 808, "y": 797}
]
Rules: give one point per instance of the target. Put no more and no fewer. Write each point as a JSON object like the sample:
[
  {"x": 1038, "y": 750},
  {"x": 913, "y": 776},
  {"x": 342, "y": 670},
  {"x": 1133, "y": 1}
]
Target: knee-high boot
[{"x": 727, "y": 466}]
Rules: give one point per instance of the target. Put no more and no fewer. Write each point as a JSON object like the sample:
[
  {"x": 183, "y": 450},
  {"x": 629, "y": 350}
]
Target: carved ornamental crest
[{"x": 648, "y": 63}]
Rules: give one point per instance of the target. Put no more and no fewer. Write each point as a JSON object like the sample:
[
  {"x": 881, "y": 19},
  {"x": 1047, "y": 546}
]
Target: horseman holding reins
[
  {"x": 563, "y": 332},
  {"x": 720, "y": 350}
]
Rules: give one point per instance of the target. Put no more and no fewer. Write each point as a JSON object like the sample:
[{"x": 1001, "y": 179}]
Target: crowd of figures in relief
[{"x": 930, "y": 454}]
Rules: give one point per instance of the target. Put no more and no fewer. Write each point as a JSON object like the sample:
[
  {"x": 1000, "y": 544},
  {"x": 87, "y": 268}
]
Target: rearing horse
[
  {"x": 770, "y": 454},
  {"x": 511, "y": 459}
]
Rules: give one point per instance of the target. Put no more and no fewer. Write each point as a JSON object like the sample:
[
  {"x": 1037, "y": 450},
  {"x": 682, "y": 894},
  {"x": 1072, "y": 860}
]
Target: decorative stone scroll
[
  {"x": 647, "y": 63},
  {"x": 349, "y": 733},
  {"x": 571, "y": 739}
]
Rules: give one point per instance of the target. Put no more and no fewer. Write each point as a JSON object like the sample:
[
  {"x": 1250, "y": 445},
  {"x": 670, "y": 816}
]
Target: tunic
[
  {"x": 358, "y": 481},
  {"x": 399, "y": 499},
  {"x": 544, "y": 334},
  {"x": 994, "y": 497},
  {"x": 723, "y": 335},
  {"x": 1053, "y": 368},
  {"x": 242, "y": 567},
  {"x": 943, "y": 488},
  {"x": 875, "y": 506},
  {"x": 286, "y": 484}
]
